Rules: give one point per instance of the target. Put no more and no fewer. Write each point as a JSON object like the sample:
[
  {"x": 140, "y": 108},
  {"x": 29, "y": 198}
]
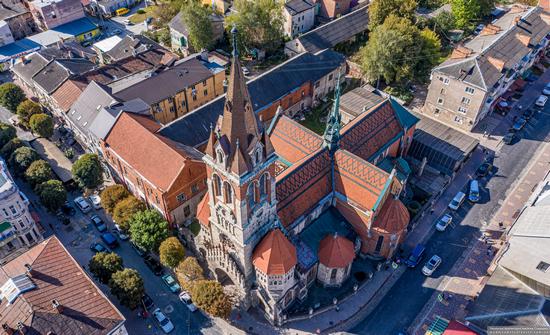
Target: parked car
[
  {"x": 541, "y": 101},
  {"x": 546, "y": 90},
  {"x": 474, "y": 194},
  {"x": 83, "y": 205},
  {"x": 117, "y": 32},
  {"x": 98, "y": 223},
  {"x": 153, "y": 265},
  {"x": 430, "y": 266},
  {"x": 95, "y": 200},
  {"x": 110, "y": 240},
  {"x": 518, "y": 125},
  {"x": 443, "y": 222},
  {"x": 171, "y": 283},
  {"x": 66, "y": 208},
  {"x": 147, "y": 302},
  {"x": 457, "y": 201},
  {"x": 478, "y": 29},
  {"x": 509, "y": 138},
  {"x": 528, "y": 113},
  {"x": 484, "y": 169},
  {"x": 164, "y": 323},
  {"x": 416, "y": 255},
  {"x": 121, "y": 234},
  {"x": 63, "y": 218},
  {"x": 98, "y": 247},
  {"x": 186, "y": 299},
  {"x": 246, "y": 71},
  {"x": 138, "y": 249}
]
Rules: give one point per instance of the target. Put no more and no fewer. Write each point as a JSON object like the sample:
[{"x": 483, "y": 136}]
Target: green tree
[
  {"x": 10, "y": 147},
  {"x": 171, "y": 252},
  {"x": 197, "y": 20},
  {"x": 379, "y": 10},
  {"x": 127, "y": 286},
  {"x": 189, "y": 271},
  {"x": 26, "y": 109},
  {"x": 22, "y": 158},
  {"x": 209, "y": 296},
  {"x": 11, "y": 96},
  {"x": 103, "y": 265},
  {"x": 52, "y": 194},
  {"x": 87, "y": 171},
  {"x": 7, "y": 133},
  {"x": 41, "y": 124},
  {"x": 390, "y": 53},
  {"x": 486, "y": 7},
  {"x": 528, "y": 2},
  {"x": 39, "y": 172},
  {"x": 148, "y": 229},
  {"x": 111, "y": 195},
  {"x": 429, "y": 52},
  {"x": 443, "y": 23},
  {"x": 465, "y": 12},
  {"x": 259, "y": 23},
  {"x": 125, "y": 209}
]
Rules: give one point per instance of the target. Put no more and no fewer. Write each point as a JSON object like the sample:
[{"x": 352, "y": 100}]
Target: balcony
[{"x": 7, "y": 233}]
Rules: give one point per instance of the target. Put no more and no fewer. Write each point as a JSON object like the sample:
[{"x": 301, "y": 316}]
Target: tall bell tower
[{"x": 240, "y": 162}]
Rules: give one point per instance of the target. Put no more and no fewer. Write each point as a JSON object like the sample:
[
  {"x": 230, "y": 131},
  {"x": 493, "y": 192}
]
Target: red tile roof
[
  {"x": 357, "y": 179},
  {"x": 203, "y": 211},
  {"x": 156, "y": 158},
  {"x": 393, "y": 217},
  {"x": 57, "y": 276},
  {"x": 336, "y": 251},
  {"x": 274, "y": 255},
  {"x": 369, "y": 132},
  {"x": 292, "y": 141},
  {"x": 66, "y": 95}
]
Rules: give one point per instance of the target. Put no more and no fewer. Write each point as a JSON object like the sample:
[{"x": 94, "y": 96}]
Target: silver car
[{"x": 164, "y": 323}]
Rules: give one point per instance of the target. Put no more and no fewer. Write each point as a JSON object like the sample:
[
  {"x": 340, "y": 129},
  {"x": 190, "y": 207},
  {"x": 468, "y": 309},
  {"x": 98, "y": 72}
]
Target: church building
[{"x": 268, "y": 185}]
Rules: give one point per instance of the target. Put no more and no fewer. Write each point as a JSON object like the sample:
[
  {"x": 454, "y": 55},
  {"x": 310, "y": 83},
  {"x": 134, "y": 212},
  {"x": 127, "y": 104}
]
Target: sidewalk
[{"x": 468, "y": 279}]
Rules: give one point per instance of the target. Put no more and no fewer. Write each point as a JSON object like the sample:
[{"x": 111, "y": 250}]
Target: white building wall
[{"x": 5, "y": 34}]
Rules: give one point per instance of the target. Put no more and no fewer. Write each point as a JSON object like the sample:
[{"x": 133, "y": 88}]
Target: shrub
[{"x": 11, "y": 96}]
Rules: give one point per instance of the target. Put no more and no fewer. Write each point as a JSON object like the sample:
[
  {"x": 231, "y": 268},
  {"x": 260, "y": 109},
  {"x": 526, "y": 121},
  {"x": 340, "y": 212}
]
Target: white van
[
  {"x": 457, "y": 201},
  {"x": 474, "y": 191}
]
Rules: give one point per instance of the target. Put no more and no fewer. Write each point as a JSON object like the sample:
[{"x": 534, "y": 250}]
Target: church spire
[{"x": 332, "y": 132}]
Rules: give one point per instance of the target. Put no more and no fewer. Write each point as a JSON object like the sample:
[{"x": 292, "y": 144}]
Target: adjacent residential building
[
  {"x": 109, "y": 7},
  {"x": 299, "y": 16},
  {"x": 128, "y": 46},
  {"x": 343, "y": 29},
  {"x": 467, "y": 86},
  {"x": 18, "y": 230},
  {"x": 166, "y": 175},
  {"x": 79, "y": 30},
  {"x": 179, "y": 35},
  {"x": 45, "y": 291},
  {"x": 334, "y": 8},
  {"x": 18, "y": 18},
  {"x": 277, "y": 195},
  {"x": 6, "y": 37},
  {"x": 178, "y": 90},
  {"x": 49, "y": 14}
]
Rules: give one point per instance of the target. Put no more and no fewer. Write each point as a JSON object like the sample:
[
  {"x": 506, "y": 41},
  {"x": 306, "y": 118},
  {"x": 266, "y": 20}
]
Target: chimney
[
  {"x": 204, "y": 55},
  {"x": 28, "y": 270},
  {"x": 57, "y": 306},
  {"x": 517, "y": 19},
  {"x": 7, "y": 329}
]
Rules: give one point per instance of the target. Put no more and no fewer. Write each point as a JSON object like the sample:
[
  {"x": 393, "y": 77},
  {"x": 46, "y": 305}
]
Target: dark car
[
  {"x": 509, "y": 138},
  {"x": 484, "y": 169},
  {"x": 98, "y": 223},
  {"x": 147, "y": 302},
  {"x": 98, "y": 247},
  {"x": 110, "y": 240},
  {"x": 528, "y": 113},
  {"x": 154, "y": 265},
  {"x": 68, "y": 209},
  {"x": 138, "y": 249},
  {"x": 416, "y": 256},
  {"x": 63, "y": 218}
]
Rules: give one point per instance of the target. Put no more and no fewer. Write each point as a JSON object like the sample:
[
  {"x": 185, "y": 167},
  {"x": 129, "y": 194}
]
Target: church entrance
[{"x": 223, "y": 277}]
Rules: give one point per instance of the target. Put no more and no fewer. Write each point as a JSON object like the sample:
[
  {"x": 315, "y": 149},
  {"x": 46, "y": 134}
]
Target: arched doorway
[{"x": 223, "y": 277}]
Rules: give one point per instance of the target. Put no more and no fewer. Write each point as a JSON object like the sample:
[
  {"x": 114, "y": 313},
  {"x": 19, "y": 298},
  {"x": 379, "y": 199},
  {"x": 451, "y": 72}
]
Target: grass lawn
[
  {"x": 195, "y": 227},
  {"x": 313, "y": 119},
  {"x": 138, "y": 18}
]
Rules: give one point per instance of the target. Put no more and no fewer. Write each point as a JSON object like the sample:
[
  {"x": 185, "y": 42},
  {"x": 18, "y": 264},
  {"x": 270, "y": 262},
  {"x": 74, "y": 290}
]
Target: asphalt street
[{"x": 413, "y": 290}]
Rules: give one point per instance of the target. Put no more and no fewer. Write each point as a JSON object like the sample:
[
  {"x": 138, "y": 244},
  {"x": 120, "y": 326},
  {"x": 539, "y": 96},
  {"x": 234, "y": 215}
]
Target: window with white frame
[
  {"x": 465, "y": 101},
  {"x": 469, "y": 90},
  {"x": 440, "y": 101},
  {"x": 463, "y": 109},
  {"x": 459, "y": 120}
]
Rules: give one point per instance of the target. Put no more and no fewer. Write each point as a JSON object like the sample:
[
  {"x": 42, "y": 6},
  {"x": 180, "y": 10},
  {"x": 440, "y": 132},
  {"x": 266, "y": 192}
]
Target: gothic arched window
[
  {"x": 250, "y": 195},
  {"x": 217, "y": 185},
  {"x": 263, "y": 184},
  {"x": 228, "y": 192}
]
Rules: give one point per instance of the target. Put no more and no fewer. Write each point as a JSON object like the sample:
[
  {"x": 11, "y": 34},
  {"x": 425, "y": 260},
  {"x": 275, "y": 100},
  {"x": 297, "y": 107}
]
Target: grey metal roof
[
  {"x": 178, "y": 25},
  {"x": 31, "y": 66},
  {"x": 130, "y": 46},
  {"x": 56, "y": 72},
  {"x": 332, "y": 33},
  {"x": 504, "y": 46},
  {"x": 88, "y": 105},
  {"x": 193, "y": 128},
  {"x": 106, "y": 117},
  {"x": 167, "y": 83},
  {"x": 297, "y": 6},
  {"x": 359, "y": 100},
  {"x": 10, "y": 9},
  {"x": 506, "y": 301}
]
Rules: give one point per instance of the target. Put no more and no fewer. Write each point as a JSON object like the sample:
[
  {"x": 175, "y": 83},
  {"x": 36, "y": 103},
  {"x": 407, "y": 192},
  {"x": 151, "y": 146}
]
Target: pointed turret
[{"x": 332, "y": 132}]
